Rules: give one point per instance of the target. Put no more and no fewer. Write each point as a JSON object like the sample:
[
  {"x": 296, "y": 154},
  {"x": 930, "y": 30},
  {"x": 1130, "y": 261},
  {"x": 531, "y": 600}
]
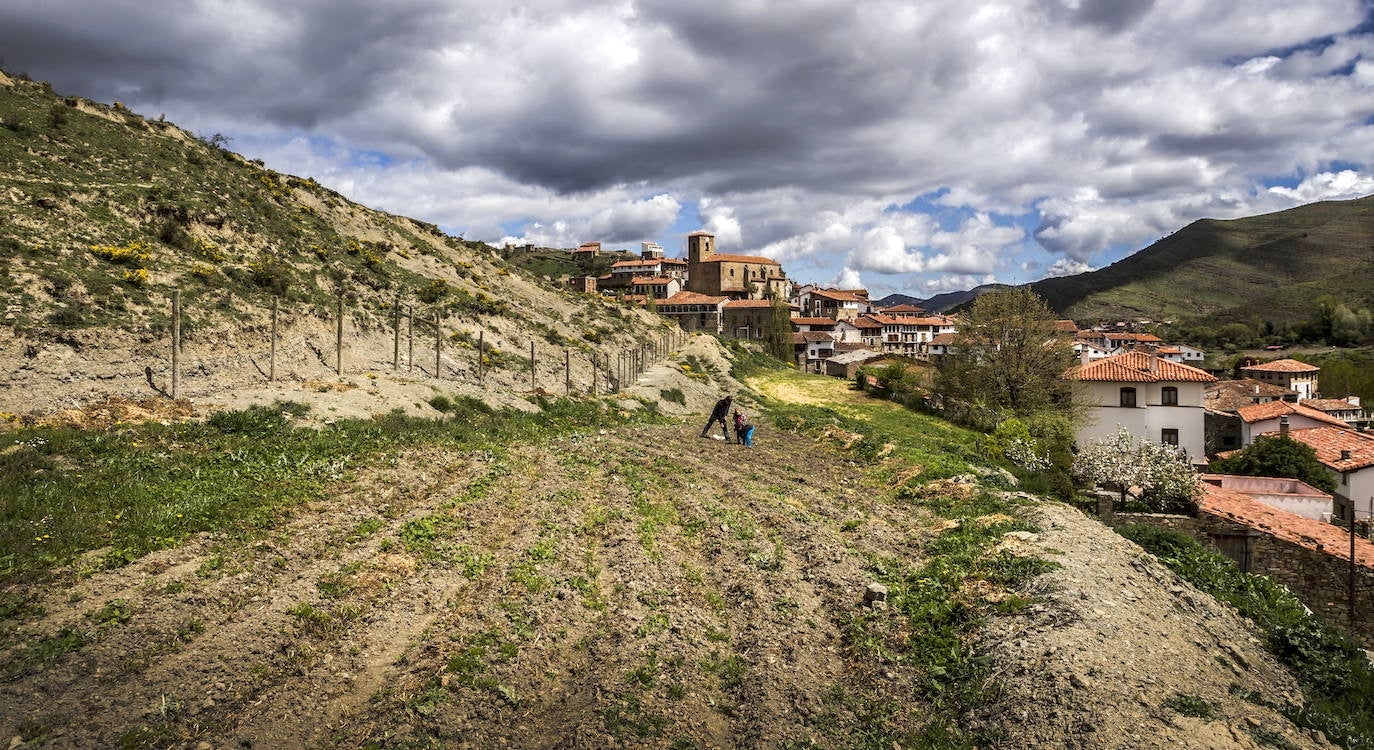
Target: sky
[{"x": 914, "y": 147}]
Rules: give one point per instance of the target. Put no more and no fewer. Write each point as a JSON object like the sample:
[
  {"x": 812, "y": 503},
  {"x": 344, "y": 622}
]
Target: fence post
[
  {"x": 438, "y": 343},
  {"x": 272, "y": 351},
  {"x": 567, "y": 372},
  {"x": 532, "y": 385},
  {"x": 176, "y": 342},
  {"x": 481, "y": 354},
  {"x": 338, "y": 338},
  {"x": 396, "y": 334},
  {"x": 410, "y": 338},
  {"x": 593, "y": 373}
]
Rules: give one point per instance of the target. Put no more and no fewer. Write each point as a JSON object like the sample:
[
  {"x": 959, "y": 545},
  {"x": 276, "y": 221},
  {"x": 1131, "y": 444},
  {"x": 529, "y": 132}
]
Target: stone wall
[{"x": 1318, "y": 577}]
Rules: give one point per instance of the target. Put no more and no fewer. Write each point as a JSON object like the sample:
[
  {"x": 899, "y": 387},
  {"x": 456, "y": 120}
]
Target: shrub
[{"x": 674, "y": 396}]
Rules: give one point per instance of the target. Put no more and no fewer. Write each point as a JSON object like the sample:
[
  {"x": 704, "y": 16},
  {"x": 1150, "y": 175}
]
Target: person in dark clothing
[
  {"x": 719, "y": 414},
  {"x": 739, "y": 427}
]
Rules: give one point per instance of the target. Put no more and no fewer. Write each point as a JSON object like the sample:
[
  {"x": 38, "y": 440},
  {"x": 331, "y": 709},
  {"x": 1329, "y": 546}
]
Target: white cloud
[
  {"x": 1067, "y": 267},
  {"x": 1326, "y": 186},
  {"x": 795, "y": 134},
  {"x": 955, "y": 283}
]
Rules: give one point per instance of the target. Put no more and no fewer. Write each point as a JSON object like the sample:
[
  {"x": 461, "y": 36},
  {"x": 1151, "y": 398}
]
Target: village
[{"x": 1155, "y": 390}]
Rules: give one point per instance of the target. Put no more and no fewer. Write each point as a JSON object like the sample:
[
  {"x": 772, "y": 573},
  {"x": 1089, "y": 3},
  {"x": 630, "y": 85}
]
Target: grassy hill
[
  {"x": 105, "y": 213},
  {"x": 1268, "y": 267}
]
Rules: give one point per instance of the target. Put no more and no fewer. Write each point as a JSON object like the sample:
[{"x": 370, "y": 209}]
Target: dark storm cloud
[{"x": 796, "y": 128}]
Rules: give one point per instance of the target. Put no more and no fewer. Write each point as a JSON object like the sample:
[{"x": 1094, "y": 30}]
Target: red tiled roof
[
  {"x": 723, "y": 258},
  {"x": 1290, "y": 527},
  {"x": 1282, "y": 365},
  {"x": 838, "y": 295},
  {"x": 910, "y": 320},
  {"x": 809, "y": 336},
  {"x": 1274, "y": 409},
  {"x": 635, "y": 263},
  {"x": 1138, "y": 367},
  {"x": 864, "y": 321},
  {"x": 749, "y": 303},
  {"x": 898, "y": 309},
  {"x": 685, "y": 297},
  {"x": 1065, "y": 326},
  {"x": 942, "y": 339},
  {"x": 1328, "y": 442},
  {"x": 814, "y": 321},
  {"x": 1141, "y": 337},
  {"x": 1330, "y": 404},
  {"x": 672, "y": 261}
]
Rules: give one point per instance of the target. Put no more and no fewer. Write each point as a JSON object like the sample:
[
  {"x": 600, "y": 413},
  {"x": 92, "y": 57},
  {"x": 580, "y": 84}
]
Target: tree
[
  {"x": 1121, "y": 462},
  {"x": 780, "y": 330},
  {"x": 1007, "y": 358},
  {"x": 1278, "y": 456}
]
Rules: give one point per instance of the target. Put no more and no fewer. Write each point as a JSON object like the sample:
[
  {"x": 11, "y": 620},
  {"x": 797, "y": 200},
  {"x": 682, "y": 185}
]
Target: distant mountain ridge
[
  {"x": 1269, "y": 267},
  {"x": 941, "y": 303}
]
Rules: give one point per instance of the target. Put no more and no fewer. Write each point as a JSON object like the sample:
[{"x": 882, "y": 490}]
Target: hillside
[
  {"x": 586, "y": 582},
  {"x": 104, "y": 213},
  {"x": 1268, "y": 267}
]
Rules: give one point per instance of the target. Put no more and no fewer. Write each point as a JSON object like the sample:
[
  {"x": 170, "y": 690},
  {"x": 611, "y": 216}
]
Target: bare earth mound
[{"x": 629, "y": 589}]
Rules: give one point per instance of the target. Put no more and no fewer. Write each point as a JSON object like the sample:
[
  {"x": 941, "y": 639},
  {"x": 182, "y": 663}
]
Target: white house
[
  {"x": 1349, "y": 456},
  {"x": 860, "y": 330},
  {"x": 1152, "y": 398},
  {"x": 695, "y": 312},
  {"x": 1289, "y": 373},
  {"x": 1258, "y": 419}
]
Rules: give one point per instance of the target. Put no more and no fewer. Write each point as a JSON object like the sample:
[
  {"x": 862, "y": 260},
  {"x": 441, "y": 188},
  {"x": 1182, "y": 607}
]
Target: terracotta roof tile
[
  {"x": 1328, "y": 442},
  {"x": 1290, "y": 527},
  {"x": 865, "y": 323},
  {"x": 809, "y": 336},
  {"x": 1135, "y": 367},
  {"x": 1329, "y": 404},
  {"x": 942, "y": 339},
  {"x": 899, "y": 309},
  {"x": 635, "y": 263},
  {"x": 685, "y": 297},
  {"x": 1282, "y": 365},
  {"x": 838, "y": 294},
  {"x": 1273, "y": 409}
]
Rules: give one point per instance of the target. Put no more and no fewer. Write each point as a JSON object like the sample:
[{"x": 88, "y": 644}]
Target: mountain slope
[
  {"x": 1268, "y": 267},
  {"x": 104, "y": 214}
]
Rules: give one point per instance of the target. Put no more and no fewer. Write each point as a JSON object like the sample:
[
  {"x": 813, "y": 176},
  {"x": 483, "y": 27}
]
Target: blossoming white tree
[{"x": 1121, "y": 462}]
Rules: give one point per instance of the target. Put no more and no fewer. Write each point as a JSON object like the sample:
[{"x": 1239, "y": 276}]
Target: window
[
  {"x": 1168, "y": 436},
  {"x": 1168, "y": 395},
  {"x": 1128, "y": 397}
]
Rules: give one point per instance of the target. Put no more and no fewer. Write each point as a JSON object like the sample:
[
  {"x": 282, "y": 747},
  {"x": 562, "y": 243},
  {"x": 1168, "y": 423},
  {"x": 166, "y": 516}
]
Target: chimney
[
  {"x": 1345, "y": 455},
  {"x": 1283, "y": 426},
  {"x": 1154, "y": 362}
]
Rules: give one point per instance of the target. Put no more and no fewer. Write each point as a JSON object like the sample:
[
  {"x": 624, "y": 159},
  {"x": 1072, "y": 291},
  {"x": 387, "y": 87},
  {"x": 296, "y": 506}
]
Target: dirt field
[{"x": 644, "y": 588}]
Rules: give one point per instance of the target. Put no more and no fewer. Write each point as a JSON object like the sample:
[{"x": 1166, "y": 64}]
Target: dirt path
[
  {"x": 630, "y": 588},
  {"x": 607, "y": 590}
]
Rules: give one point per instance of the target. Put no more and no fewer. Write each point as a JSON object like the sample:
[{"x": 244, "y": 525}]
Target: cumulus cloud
[
  {"x": 1067, "y": 267},
  {"x": 810, "y": 136},
  {"x": 1341, "y": 185}
]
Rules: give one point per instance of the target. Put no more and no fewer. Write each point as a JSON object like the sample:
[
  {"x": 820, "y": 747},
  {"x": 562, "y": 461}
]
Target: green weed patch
[{"x": 138, "y": 488}]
